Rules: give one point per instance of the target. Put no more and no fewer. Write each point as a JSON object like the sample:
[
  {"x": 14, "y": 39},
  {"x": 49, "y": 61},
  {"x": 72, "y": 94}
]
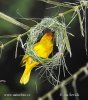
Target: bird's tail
[
  {"x": 28, "y": 67},
  {"x": 26, "y": 76}
]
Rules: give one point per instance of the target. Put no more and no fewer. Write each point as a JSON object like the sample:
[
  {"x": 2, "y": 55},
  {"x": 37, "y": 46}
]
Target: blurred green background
[{"x": 10, "y": 69}]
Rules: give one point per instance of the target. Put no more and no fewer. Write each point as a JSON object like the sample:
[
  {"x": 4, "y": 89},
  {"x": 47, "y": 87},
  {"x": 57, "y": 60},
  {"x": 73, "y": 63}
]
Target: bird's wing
[{"x": 40, "y": 50}]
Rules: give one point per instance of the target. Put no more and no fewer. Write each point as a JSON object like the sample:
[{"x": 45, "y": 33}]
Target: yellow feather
[{"x": 43, "y": 49}]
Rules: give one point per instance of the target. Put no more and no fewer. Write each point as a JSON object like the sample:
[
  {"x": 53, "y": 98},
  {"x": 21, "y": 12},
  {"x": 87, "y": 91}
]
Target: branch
[
  {"x": 85, "y": 3},
  {"x": 57, "y": 3},
  {"x": 13, "y": 40},
  {"x": 65, "y": 82},
  {"x": 13, "y": 21}
]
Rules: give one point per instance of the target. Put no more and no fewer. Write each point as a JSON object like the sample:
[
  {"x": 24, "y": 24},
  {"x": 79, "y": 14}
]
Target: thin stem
[
  {"x": 13, "y": 21},
  {"x": 73, "y": 9},
  {"x": 13, "y": 40},
  {"x": 57, "y": 3}
]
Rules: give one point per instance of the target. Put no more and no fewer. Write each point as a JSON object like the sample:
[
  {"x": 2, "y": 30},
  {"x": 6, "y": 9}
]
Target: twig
[
  {"x": 73, "y": 9},
  {"x": 13, "y": 40},
  {"x": 57, "y": 3},
  {"x": 13, "y": 21}
]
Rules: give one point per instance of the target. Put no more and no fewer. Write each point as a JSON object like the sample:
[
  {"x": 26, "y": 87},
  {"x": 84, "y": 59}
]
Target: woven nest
[{"x": 60, "y": 37}]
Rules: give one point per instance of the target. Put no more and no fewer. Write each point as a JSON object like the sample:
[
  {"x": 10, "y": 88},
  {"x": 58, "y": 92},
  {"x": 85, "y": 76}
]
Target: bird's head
[{"x": 47, "y": 36}]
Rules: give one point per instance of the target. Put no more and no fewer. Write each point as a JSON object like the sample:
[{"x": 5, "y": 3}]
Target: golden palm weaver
[{"x": 43, "y": 49}]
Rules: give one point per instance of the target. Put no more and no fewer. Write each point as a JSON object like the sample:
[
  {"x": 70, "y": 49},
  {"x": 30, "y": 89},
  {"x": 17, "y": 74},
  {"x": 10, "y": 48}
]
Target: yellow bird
[{"x": 43, "y": 49}]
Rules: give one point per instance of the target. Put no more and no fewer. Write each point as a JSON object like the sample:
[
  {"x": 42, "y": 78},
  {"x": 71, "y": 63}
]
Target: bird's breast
[{"x": 43, "y": 50}]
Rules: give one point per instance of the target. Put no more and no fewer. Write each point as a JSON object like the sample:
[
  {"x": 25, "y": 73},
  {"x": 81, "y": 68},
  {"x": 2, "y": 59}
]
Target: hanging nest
[{"x": 61, "y": 41}]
